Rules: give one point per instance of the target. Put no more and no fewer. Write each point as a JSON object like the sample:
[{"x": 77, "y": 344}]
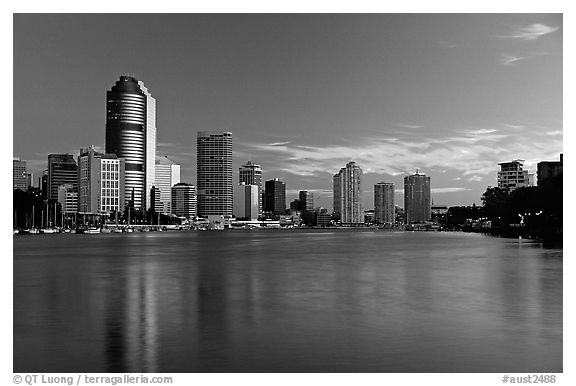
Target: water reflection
[{"x": 285, "y": 302}]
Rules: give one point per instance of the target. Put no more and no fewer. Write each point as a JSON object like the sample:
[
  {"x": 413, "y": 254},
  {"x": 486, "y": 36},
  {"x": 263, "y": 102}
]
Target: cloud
[
  {"x": 279, "y": 143},
  {"x": 508, "y": 60},
  {"x": 448, "y": 190},
  {"x": 532, "y": 32},
  {"x": 408, "y": 126}
]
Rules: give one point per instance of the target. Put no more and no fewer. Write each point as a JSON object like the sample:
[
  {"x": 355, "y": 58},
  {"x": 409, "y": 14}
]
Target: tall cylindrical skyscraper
[
  {"x": 131, "y": 135},
  {"x": 214, "y": 173}
]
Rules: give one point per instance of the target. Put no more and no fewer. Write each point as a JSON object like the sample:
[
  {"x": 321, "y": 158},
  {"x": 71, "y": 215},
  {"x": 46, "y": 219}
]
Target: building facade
[
  {"x": 417, "y": 198},
  {"x": 167, "y": 175},
  {"x": 275, "y": 197},
  {"x": 305, "y": 201},
  {"x": 62, "y": 170},
  {"x": 246, "y": 201},
  {"x": 347, "y": 190},
  {"x": 20, "y": 178},
  {"x": 100, "y": 182},
  {"x": 549, "y": 169},
  {"x": 384, "y": 212},
  {"x": 251, "y": 174},
  {"x": 68, "y": 198},
  {"x": 184, "y": 200},
  {"x": 131, "y": 135},
  {"x": 513, "y": 176},
  {"x": 214, "y": 173}
]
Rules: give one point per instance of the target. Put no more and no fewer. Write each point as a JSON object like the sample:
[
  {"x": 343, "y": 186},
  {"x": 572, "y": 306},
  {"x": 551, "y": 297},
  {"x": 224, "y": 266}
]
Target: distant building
[
  {"x": 348, "y": 194},
  {"x": 306, "y": 201},
  {"x": 43, "y": 182},
  {"x": 438, "y": 213},
  {"x": 155, "y": 204},
  {"x": 369, "y": 216},
  {"x": 251, "y": 174},
  {"x": 167, "y": 175},
  {"x": 275, "y": 193},
  {"x": 417, "y": 198},
  {"x": 62, "y": 170},
  {"x": 295, "y": 205},
  {"x": 184, "y": 200},
  {"x": 549, "y": 169},
  {"x": 30, "y": 179},
  {"x": 513, "y": 176},
  {"x": 214, "y": 173},
  {"x": 68, "y": 198},
  {"x": 384, "y": 203},
  {"x": 246, "y": 201},
  {"x": 20, "y": 176},
  {"x": 323, "y": 218},
  {"x": 100, "y": 182}
]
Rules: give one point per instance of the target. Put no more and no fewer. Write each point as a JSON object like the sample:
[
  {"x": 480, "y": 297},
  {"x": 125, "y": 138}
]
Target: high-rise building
[
  {"x": 384, "y": 203},
  {"x": 306, "y": 201},
  {"x": 549, "y": 169},
  {"x": 417, "y": 198},
  {"x": 19, "y": 172},
  {"x": 68, "y": 198},
  {"x": 30, "y": 179},
  {"x": 251, "y": 174},
  {"x": 131, "y": 135},
  {"x": 100, "y": 182},
  {"x": 214, "y": 173},
  {"x": 62, "y": 170},
  {"x": 184, "y": 200},
  {"x": 43, "y": 181},
  {"x": 246, "y": 201},
  {"x": 167, "y": 175},
  {"x": 275, "y": 197},
  {"x": 513, "y": 176},
  {"x": 155, "y": 204},
  {"x": 348, "y": 194}
]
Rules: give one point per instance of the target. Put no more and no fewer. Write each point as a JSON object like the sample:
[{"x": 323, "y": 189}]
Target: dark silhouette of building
[
  {"x": 20, "y": 178},
  {"x": 275, "y": 197},
  {"x": 62, "y": 170},
  {"x": 549, "y": 169},
  {"x": 305, "y": 201}
]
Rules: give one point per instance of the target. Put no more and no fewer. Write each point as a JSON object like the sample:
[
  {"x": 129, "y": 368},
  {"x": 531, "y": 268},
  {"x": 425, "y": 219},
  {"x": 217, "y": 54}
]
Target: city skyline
[{"x": 304, "y": 94}]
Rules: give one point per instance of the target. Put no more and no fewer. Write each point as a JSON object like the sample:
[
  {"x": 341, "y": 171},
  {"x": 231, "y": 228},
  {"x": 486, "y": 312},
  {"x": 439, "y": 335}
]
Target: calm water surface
[{"x": 286, "y": 301}]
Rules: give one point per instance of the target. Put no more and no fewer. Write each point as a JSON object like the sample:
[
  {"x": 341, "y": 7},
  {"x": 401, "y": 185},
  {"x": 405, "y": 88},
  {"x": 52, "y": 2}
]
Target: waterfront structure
[
  {"x": 214, "y": 173},
  {"x": 323, "y": 218},
  {"x": 549, "y": 169},
  {"x": 131, "y": 135},
  {"x": 62, "y": 170},
  {"x": 513, "y": 176},
  {"x": 184, "y": 200},
  {"x": 167, "y": 175},
  {"x": 246, "y": 201},
  {"x": 68, "y": 198},
  {"x": 417, "y": 198},
  {"x": 20, "y": 180},
  {"x": 438, "y": 213},
  {"x": 305, "y": 201},
  {"x": 251, "y": 174},
  {"x": 384, "y": 203},
  {"x": 275, "y": 197},
  {"x": 100, "y": 182},
  {"x": 348, "y": 194}
]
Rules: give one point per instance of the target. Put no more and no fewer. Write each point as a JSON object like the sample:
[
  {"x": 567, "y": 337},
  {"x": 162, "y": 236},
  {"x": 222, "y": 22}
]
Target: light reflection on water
[{"x": 285, "y": 301}]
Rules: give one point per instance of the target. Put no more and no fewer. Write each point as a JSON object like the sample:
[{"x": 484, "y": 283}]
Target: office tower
[
  {"x": 513, "y": 176},
  {"x": 306, "y": 201},
  {"x": 246, "y": 201},
  {"x": 68, "y": 198},
  {"x": 549, "y": 169},
  {"x": 214, "y": 173},
  {"x": 167, "y": 175},
  {"x": 275, "y": 193},
  {"x": 19, "y": 174},
  {"x": 43, "y": 181},
  {"x": 155, "y": 204},
  {"x": 251, "y": 174},
  {"x": 184, "y": 200},
  {"x": 100, "y": 182},
  {"x": 417, "y": 198},
  {"x": 348, "y": 194},
  {"x": 131, "y": 135},
  {"x": 30, "y": 179},
  {"x": 384, "y": 203},
  {"x": 62, "y": 169}
]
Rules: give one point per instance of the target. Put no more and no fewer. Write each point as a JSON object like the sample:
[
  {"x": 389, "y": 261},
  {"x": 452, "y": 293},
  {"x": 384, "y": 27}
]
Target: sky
[{"x": 449, "y": 95}]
